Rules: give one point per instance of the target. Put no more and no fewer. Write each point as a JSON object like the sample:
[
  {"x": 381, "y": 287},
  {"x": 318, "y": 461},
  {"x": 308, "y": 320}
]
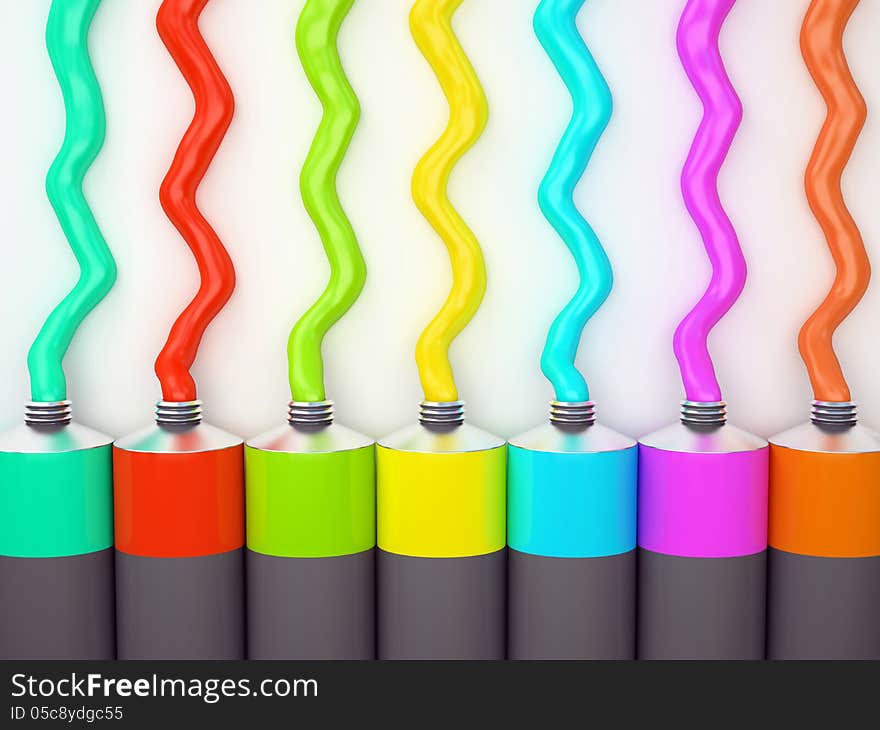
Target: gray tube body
[
  {"x": 311, "y": 608},
  {"x": 701, "y": 608},
  {"x": 57, "y": 608},
  {"x": 571, "y": 608},
  {"x": 823, "y": 608},
  {"x": 180, "y": 608},
  {"x": 441, "y": 608}
]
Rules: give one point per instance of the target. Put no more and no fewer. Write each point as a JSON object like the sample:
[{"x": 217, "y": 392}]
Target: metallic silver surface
[
  {"x": 164, "y": 439},
  {"x": 305, "y": 413},
  {"x": 834, "y": 413},
  {"x": 24, "y": 439},
  {"x": 182, "y": 413},
  {"x": 549, "y": 437},
  {"x": 434, "y": 440},
  {"x": 441, "y": 414},
  {"x": 829, "y": 439},
  {"x": 704, "y": 413},
  {"x": 690, "y": 439},
  {"x": 572, "y": 414},
  {"x": 298, "y": 439},
  {"x": 48, "y": 413}
]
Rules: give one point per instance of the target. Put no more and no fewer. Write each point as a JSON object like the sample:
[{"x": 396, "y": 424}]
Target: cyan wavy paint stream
[{"x": 556, "y": 28}]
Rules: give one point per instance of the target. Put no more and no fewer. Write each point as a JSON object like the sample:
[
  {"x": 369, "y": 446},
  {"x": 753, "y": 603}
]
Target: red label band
[{"x": 179, "y": 505}]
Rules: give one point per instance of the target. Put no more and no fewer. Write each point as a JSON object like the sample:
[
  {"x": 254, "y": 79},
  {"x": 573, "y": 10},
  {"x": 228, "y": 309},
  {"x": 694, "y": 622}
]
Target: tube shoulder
[
  {"x": 421, "y": 439},
  {"x": 724, "y": 439},
  {"x": 551, "y": 438},
  {"x": 24, "y": 439},
  {"x": 809, "y": 437},
  {"x": 156, "y": 439},
  {"x": 309, "y": 440}
]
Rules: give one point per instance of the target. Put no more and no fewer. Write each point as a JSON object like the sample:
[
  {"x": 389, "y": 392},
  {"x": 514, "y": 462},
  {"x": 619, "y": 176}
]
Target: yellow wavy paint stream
[{"x": 431, "y": 27}]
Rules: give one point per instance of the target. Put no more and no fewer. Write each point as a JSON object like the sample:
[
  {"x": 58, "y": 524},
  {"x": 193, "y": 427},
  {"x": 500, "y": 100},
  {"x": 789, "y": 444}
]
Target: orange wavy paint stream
[{"x": 822, "y": 49}]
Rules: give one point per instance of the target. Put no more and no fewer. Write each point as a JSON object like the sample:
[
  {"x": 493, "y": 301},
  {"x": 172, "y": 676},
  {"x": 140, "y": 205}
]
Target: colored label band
[
  {"x": 572, "y": 505},
  {"x": 54, "y": 505},
  {"x": 441, "y": 505},
  {"x": 825, "y": 504},
  {"x": 311, "y": 505},
  {"x": 703, "y": 505},
  {"x": 179, "y": 505}
]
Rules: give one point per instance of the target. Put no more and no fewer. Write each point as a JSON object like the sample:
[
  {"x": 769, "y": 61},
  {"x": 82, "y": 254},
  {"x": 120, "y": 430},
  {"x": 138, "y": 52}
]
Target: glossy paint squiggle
[
  {"x": 431, "y": 27},
  {"x": 178, "y": 25},
  {"x": 67, "y": 42},
  {"x": 822, "y": 49},
  {"x": 316, "y": 38},
  {"x": 697, "y": 40},
  {"x": 556, "y": 27}
]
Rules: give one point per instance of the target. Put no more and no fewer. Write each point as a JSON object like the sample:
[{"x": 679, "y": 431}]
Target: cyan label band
[{"x": 570, "y": 504}]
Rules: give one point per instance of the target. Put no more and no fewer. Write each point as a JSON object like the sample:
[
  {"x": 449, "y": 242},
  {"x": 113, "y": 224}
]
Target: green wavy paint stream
[
  {"x": 316, "y": 35},
  {"x": 67, "y": 41}
]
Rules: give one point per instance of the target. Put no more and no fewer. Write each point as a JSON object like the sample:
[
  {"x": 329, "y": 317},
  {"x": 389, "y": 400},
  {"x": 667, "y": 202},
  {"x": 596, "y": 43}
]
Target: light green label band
[
  {"x": 53, "y": 505},
  {"x": 311, "y": 505}
]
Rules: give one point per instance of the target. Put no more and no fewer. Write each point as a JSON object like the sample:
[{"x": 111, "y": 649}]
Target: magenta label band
[{"x": 703, "y": 505}]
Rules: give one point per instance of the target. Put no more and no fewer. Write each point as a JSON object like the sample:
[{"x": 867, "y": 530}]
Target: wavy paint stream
[
  {"x": 431, "y": 26},
  {"x": 316, "y": 38},
  {"x": 556, "y": 28},
  {"x": 67, "y": 41},
  {"x": 178, "y": 25}
]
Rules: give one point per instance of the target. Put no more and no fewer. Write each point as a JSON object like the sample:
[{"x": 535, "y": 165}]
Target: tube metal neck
[
  {"x": 834, "y": 414},
  {"x": 441, "y": 415},
  {"x": 572, "y": 415},
  {"x": 315, "y": 414},
  {"x": 49, "y": 413},
  {"x": 706, "y": 414},
  {"x": 183, "y": 413}
]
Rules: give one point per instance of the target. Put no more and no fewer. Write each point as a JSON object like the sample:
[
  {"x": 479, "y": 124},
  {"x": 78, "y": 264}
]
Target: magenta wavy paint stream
[{"x": 698, "y": 49}]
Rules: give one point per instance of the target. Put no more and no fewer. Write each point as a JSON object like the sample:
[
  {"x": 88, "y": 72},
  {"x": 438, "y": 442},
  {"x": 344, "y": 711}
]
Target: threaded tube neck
[
  {"x": 572, "y": 415},
  {"x": 707, "y": 414},
  {"x": 303, "y": 413},
  {"x": 440, "y": 415},
  {"x": 183, "y": 413},
  {"x": 841, "y": 414},
  {"x": 50, "y": 413}
]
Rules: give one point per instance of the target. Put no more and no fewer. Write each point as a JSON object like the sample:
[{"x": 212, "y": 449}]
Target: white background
[{"x": 630, "y": 194}]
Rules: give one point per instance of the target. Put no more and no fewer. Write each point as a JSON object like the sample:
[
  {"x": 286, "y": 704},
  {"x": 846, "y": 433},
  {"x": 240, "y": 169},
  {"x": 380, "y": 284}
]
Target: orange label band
[
  {"x": 825, "y": 504},
  {"x": 179, "y": 505}
]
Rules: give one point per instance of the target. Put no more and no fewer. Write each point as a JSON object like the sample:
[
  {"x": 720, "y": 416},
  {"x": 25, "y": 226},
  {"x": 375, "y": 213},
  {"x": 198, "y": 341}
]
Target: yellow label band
[{"x": 441, "y": 505}]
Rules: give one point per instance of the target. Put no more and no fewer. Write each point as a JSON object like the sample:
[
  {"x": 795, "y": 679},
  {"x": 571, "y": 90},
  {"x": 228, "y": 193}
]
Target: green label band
[
  {"x": 52, "y": 505},
  {"x": 311, "y": 505}
]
